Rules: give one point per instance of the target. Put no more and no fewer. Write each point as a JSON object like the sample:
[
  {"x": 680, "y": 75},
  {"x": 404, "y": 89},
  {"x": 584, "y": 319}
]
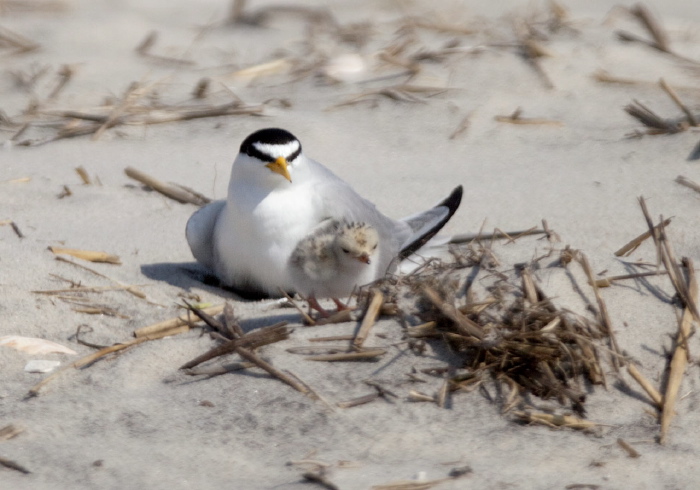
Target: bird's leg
[
  {"x": 313, "y": 304},
  {"x": 341, "y": 306}
]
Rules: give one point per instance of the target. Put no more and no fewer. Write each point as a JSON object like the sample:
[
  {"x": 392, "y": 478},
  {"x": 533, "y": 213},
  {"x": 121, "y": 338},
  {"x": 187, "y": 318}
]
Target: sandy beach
[{"x": 522, "y": 103}]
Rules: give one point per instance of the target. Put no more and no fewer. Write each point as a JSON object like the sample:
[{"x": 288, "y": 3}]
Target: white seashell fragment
[
  {"x": 41, "y": 366},
  {"x": 32, "y": 345},
  {"x": 345, "y": 67}
]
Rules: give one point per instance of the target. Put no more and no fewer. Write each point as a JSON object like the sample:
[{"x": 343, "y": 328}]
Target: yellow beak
[{"x": 279, "y": 166}]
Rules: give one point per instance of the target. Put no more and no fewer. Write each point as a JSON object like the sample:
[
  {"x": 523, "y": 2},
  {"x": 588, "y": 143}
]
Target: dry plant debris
[
  {"x": 139, "y": 105},
  {"x": 659, "y": 36},
  {"x": 177, "y": 192},
  {"x": 89, "y": 255},
  {"x": 244, "y": 344},
  {"x": 15, "y": 43},
  {"x": 516, "y": 118}
]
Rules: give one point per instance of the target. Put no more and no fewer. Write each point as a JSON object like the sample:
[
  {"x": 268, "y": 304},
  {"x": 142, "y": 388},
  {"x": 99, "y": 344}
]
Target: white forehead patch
[{"x": 276, "y": 151}]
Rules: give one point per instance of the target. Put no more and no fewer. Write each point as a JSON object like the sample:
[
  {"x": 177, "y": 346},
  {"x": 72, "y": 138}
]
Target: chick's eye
[
  {"x": 345, "y": 250},
  {"x": 375, "y": 247}
]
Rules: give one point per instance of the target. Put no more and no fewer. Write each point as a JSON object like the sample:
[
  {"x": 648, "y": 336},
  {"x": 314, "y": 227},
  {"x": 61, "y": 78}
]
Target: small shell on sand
[
  {"x": 41, "y": 366},
  {"x": 33, "y": 345}
]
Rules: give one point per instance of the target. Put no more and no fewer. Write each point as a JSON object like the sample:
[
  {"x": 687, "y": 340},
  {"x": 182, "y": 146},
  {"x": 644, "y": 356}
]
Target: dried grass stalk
[
  {"x": 616, "y": 355},
  {"x": 173, "y": 323},
  {"x": 649, "y": 21},
  {"x": 131, "y": 289},
  {"x": 646, "y": 385},
  {"x": 608, "y": 281},
  {"x": 679, "y": 361},
  {"x": 176, "y": 192},
  {"x": 9, "y": 432},
  {"x": 677, "y": 100},
  {"x": 370, "y": 318},
  {"x": 8, "y": 463},
  {"x": 253, "y": 340},
  {"x": 363, "y": 355},
  {"x": 362, "y": 400},
  {"x": 516, "y": 118},
  {"x": 688, "y": 183},
  {"x": 668, "y": 258},
  {"x": 630, "y": 247},
  {"x": 632, "y": 452},
  {"x": 82, "y": 362},
  {"x": 555, "y": 421},
  {"x": 655, "y": 123},
  {"x": 89, "y": 255}
]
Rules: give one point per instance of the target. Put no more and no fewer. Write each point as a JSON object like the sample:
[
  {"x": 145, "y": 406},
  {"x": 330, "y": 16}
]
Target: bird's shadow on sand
[{"x": 186, "y": 275}]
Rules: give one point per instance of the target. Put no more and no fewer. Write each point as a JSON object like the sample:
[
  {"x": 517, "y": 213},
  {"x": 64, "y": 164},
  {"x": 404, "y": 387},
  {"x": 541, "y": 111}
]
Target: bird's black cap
[{"x": 269, "y": 136}]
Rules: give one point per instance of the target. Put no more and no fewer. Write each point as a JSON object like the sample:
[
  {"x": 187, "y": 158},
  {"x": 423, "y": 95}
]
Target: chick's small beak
[
  {"x": 364, "y": 258},
  {"x": 279, "y": 166}
]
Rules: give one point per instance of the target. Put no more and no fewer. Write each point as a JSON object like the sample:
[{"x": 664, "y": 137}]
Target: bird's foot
[
  {"x": 340, "y": 305},
  {"x": 313, "y": 304}
]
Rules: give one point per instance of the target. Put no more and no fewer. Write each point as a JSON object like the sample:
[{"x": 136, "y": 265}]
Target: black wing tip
[{"x": 452, "y": 203}]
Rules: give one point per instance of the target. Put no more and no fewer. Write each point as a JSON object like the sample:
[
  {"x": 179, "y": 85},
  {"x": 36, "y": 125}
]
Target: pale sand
[{"x": 142, "y": 419}]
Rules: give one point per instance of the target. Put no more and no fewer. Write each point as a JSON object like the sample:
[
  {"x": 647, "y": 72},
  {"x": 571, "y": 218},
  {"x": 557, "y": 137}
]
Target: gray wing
[
  {"x": 406, "y": 235},
  {"x": 200, "y": 232},
  {"x": 338, "y": 200}
]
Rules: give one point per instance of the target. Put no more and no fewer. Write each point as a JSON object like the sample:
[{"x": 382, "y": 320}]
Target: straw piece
[
  {"x": 515, "y": 118},
  {"x": 182, "y": 320},
  {"x": 677, "y": 100},
  {"x": 131, "y": 289},
  {"x": 603, "y": 311},
  {"x": 680, "y": 356},
  {"x": 333, "y": 338},
  {"x": 462, "y": 127},
  {"x": 608, "y": 281},
  {"x": 665, "y": 250},
  {"x": 8, "y": 463},
  {"x": 417, "y": 396},
  {"x": 358, "y": 401},
  {"x": 14, "y": 227},
  {"x": 363, "y": 355},
  {"x": 172, "y": 191},
  {"x": 630, "y": 247},
  {"x": 655, "y": 123},
  {"x": 9, "y": 432},
  {"x": 497, "y": 235},
  {"x": 688, "y": 183},
  {"x": 253, "y": 340},
  {"x": 555, "y": 421},
  {"x": 89, "y": 255},
  {"x": 84, "y": 361},
  {"x": 652, "y": 25},
  {"x": 466, "y": 326},
  {"x": 424, "y": 330},
  {"x": 632, "y": 452},
  {"x": 370, "y": 318},
  {"x": 646, "y": 385},
  {"x": 83, "y": 289},
  {"x": 18, "y": 43}
]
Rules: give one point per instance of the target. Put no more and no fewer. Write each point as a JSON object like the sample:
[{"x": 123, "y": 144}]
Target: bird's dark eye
[
  {"x": 345, "y": 250},
  {"x": 375, "y": 247}
]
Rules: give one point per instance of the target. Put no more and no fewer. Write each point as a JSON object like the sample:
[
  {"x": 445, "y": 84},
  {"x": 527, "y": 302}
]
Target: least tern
[
  {"x": 333, "y": 260},
  {"x": 276, "y": 197}
]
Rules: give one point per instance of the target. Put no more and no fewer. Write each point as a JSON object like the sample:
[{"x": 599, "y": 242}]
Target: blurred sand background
[{"x": 135, "y": 421}]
